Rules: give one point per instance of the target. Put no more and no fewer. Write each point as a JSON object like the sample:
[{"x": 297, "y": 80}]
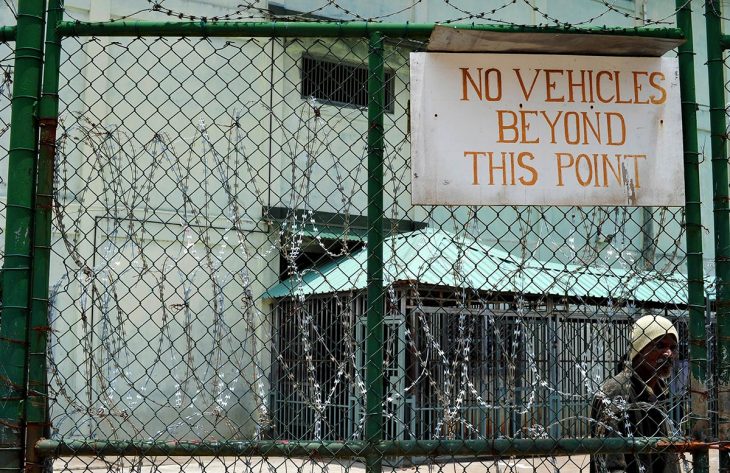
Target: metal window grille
[{"x": 340, "y": 83}]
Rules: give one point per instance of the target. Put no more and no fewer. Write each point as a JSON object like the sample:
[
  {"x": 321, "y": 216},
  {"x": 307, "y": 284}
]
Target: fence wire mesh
[
  {"x": 209, "y": 286},
  {"x": 209, "y": 273},
  {"x": 6, "y": 90}
]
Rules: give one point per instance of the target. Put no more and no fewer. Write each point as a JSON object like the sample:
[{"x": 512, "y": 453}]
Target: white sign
[{"x": 518, "y": 129}]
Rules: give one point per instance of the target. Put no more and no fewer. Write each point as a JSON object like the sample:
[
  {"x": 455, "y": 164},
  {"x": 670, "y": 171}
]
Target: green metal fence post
[
  {"x": 19, "y": 216},
  {"x": 374, "y": 344},
  {"x": 36, "y": 407},
  {"x": 693, "y": 219},
  {"x": 715, "y": 66}
]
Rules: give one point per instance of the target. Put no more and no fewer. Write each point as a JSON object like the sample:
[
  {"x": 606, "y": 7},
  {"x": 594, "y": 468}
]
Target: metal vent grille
[{"x": 341, "y": 84}]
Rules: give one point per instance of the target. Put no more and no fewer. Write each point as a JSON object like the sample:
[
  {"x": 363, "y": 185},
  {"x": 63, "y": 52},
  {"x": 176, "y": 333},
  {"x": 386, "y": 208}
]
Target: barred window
[{"x": 341, "y": 84}]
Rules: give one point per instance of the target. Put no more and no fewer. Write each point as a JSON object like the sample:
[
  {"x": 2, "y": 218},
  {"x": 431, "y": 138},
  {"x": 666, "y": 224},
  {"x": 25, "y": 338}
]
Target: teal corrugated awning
[
  {"x": 352, "y": 234},
  {"x": 331, "y": 226},
  {"x": 437, "y": 257}
]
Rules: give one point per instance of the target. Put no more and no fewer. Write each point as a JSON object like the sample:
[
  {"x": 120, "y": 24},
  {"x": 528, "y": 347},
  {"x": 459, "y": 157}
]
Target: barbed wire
[
  {"x": 113, "y": 154},
  {"x": 717, "y": 7},
  {"x": 208, "y": 338},
  {"x": 11, "y": 8},
  {"x": 319, "y": 12}
]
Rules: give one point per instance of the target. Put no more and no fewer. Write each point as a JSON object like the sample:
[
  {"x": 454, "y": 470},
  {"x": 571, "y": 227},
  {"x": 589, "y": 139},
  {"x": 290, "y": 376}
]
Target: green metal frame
[
  {"x": 716, "y": 43},
  {"x": 693, "y": 220},
  {"x": 24, "y": 328},
  {"x": 360, "y": 449},
  {"x": 333, "y": 29},
  {"x": 36, "y": 406},
  {"x": 16, "y": 275},
  {"x": 8, "y": 33},
  {"x": 375, "y": 302}
]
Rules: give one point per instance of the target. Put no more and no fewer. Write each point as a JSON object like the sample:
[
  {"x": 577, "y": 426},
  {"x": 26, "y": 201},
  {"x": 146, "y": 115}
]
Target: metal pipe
[
  {"x": 332, "y": 29},
  {"x": 721, "y": 209},
  {"x": 18, "y": 226},
  {"x": 699, "y": 412},
  {"x": 725, "y": 41},
  {"x": 375, "y": 301},
  {"x": 7, "y": 33},
  {"x": 355, "y": 449},
  {"x": 36, "y": 407}
]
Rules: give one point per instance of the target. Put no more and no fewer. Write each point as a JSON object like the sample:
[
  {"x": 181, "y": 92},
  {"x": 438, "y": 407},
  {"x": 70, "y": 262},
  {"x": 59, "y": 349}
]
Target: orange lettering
[
  {"x": 503, "y": 126},
  {"x": 590, "y": 86},
  {"x": 527, "y": 168},
  {"x": 559, "y": 156},
  {"x": 526, "y": 126},
  {"x": 616, "y": 171},
  {"x": 487, "y": 95},
  {"x": 578, "y": 175},
  {"x": 566, "y": 126},
  {"x": 617, "y": 82},
  {"x": 636, "y": 166},
  {"x": 550, "y": 86},
  {"x": 663, "y": 97},
  {"x": 620, "y": 117},
  {"x": 595, "y": 171},
  {"x": 525, "y": 92},
  {"x": 512, "y": 168},
  {"x": 598, "y": 87},
  {"x": 492, "y": 167},
  {"x": 637, "y": 86},
  {"x": 475, "y": 155},
  {"x": 552, "y": 124},
  {"x": 588, "y": 125},
  {"x": 465, "y": 76},
  {"x": 572, "y": 85}
]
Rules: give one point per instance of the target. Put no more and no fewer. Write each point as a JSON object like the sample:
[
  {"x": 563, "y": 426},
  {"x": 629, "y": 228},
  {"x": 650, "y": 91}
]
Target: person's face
[{"x": 657, "y": 358}]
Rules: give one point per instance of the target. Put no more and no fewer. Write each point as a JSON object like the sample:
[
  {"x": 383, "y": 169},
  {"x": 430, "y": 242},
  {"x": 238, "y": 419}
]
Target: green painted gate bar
[
  {"x": 30, "y": 331},
  {"x": 36, "y": 406},
  {"x": 693, "y": 223},
  {"x": 7, "y": 33},
  {"x": 355, "y": 29},
  {"x": 360, "y": 449},
  {"x": 721, "y": 213},
  {"x": 19, "y": 216},
  {"x": 375, "y": 301}
]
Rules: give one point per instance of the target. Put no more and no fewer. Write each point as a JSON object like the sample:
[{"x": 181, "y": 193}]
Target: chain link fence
[
  {"x": 6, "y": 91},
  {"x": 209, "y": 263},
  {"x": 209, "y": 283}
]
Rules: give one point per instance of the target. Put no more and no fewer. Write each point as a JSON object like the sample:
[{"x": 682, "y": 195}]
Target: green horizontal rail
[
  {"x": 324, "y": 29},
  {"x": 7, "y": 33},
  {"x": 495, "y": 447},
  {"x": 725, "y": 41}
]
